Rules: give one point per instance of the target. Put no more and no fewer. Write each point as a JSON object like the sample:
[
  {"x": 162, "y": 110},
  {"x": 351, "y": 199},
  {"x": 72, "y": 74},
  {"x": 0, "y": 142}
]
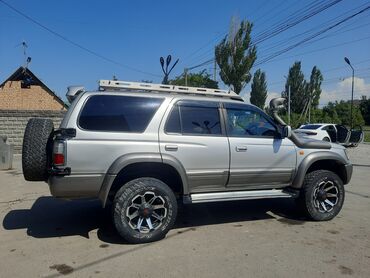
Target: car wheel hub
[
  {"x": 326, "y": 196},
  {"x": 146, "y": 212}
]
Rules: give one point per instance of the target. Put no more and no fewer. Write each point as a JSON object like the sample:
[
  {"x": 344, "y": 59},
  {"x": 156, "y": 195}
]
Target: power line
[
  {"x": 280, "y": 52},
  {"x": 208, "y": 51},
  {"x": 287, "y": 41},
  {"x": 320, "y": 49},
  {"x": 210, "y": 61},
  {"x": 294, "y": 19},
  {"x": 291, "y": 22},
  {"x": 74, "y": 43}
]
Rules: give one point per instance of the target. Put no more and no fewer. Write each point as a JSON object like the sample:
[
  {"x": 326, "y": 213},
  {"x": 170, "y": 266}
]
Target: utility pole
[
  {"x": 353, "y": 85},
  {"x": 289, "y": 104},
  {"x": 214, "y": 70},
  {"x": 310, "y": 96},
  {"x": 186, "y": 76},
  {"x": 286, "y": 77}
]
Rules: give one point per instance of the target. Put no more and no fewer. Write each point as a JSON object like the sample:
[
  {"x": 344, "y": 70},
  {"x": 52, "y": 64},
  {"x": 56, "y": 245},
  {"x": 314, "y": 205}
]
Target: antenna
[
  {"x": 26, "y": 59},
  {"x": 24, "y": 45}
]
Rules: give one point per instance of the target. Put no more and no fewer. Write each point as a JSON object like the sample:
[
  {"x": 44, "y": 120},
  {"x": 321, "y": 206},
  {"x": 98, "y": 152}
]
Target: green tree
[
  {"x": 201, "y": 79},
  {"x": 235, "y": 56},
  {"x": 259, "y": 89},
  {"x": 313, "y": 88},
  {"x": 365, "y": 109},
  {"x": 339, "y": 112},
  {"x": 304, "y": 95},
  {"x": 297, "y": 84},
  {"x": 313, "y": 91}
]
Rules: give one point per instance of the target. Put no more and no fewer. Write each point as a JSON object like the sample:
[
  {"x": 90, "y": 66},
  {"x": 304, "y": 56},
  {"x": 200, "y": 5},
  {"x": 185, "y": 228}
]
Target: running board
[{"x": 237, "y": 195}]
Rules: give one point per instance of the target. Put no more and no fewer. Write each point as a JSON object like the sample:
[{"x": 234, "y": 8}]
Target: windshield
[{"x": 310, "y": 127}]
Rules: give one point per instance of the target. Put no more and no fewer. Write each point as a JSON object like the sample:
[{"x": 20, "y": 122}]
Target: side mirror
[{"x": 286, "y": 131}]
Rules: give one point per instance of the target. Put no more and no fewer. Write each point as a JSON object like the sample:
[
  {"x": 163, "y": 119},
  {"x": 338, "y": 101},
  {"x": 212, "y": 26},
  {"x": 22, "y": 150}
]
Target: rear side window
[
  {"x": 173, "y": 123},
  {"x": 194, "y": 120},
  {"x": 118, "y": 113}
]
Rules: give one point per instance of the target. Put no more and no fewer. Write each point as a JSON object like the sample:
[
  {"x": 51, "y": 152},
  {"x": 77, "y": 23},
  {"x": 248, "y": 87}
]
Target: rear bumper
[
  {"x": 75, "y": 186},
  {"x": 349, "y": 170}
]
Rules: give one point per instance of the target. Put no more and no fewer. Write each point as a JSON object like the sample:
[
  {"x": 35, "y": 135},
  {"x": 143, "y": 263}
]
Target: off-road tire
[
  {"x": 123, "y": 201},
  {"x": 306, "y": 200},
  {"x": 36, "y": 151}
]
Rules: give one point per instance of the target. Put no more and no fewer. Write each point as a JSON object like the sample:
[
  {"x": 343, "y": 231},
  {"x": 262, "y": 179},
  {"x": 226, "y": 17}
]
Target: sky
[{"x": 86, "y": 41}]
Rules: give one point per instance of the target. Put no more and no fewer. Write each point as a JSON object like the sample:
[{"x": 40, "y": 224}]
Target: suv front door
[
  {"x": 259, "y": 157},
  {"x": 194, "y": 136}
]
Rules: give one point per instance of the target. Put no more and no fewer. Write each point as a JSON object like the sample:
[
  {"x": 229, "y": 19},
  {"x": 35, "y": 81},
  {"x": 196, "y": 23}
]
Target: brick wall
[
  {"x": 13, "y": 97},
  {"x": 13, "y": 123}
]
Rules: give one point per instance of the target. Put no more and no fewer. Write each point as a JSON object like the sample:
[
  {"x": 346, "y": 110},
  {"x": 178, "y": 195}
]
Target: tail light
[
  {"x": 310, "y": 133},
  {"x": 59, "y": 153}
]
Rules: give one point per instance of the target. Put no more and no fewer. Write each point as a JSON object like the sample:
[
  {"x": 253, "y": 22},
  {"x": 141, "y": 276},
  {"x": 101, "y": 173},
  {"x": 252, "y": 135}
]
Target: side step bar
[{"x": 237, "y": 195}]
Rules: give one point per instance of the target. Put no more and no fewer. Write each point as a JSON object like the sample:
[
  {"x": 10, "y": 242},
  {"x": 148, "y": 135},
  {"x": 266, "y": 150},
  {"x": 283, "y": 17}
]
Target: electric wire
[{"x": 92, "y": 52}]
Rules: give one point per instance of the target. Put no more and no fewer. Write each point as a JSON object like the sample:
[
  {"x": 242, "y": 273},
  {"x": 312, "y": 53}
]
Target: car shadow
[{"x": 49, "y": 217}]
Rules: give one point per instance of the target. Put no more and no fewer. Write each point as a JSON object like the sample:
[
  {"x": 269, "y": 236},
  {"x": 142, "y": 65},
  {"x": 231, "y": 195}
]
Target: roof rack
[{"x": 129, "y": 86}]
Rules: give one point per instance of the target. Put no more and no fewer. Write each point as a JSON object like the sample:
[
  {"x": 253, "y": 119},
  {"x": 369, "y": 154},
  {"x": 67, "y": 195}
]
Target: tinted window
[
  {"x": 173, "y": 123},
  {"x": 200, "y": 120},
  {"x": 194, "y": 118},
  {"x": 118, "y": 113},
  {"x": 310, "y": 127},
  {"x": 244, "y": 122},
  {"x": 328, "y": 127}
]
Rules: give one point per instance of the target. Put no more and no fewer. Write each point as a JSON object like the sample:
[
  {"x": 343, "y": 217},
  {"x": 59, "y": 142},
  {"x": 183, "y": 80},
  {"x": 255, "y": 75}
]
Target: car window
[
  {"x": 328, "y": 127},
  {"x": 310, "y": 127},
  {"x": 245, "y": 122},
  {"x": 194, "y": 120},
  {"x": 118, "y": 113},
  {"x": 173, "y": 124}
]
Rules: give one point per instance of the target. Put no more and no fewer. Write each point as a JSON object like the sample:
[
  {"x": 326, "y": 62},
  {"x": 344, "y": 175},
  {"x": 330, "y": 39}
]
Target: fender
[
  {"x": 317, "y": 156},
  {"x": 125, "y": 160}
]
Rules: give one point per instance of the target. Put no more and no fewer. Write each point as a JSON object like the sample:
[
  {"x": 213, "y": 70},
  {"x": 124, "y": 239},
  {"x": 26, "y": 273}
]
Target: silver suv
[{"x": 144, "y": 147}]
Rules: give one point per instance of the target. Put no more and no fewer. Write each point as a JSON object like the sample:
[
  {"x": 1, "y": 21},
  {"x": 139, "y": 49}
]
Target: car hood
[{"x": 337, "y": 146}]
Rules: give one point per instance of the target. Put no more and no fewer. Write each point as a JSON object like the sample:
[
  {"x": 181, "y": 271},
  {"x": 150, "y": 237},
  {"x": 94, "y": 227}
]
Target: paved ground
[{"x": 42, "y": 236}]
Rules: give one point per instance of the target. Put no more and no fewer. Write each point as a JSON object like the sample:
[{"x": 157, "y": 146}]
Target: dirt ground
[{"x": 41, "y": 236}]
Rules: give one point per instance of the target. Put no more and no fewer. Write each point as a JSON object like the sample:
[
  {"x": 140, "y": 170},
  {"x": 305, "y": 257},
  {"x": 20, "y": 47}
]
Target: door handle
[
  {"x": 171, "y": 148},
  {"x": 241, "y": 148}
]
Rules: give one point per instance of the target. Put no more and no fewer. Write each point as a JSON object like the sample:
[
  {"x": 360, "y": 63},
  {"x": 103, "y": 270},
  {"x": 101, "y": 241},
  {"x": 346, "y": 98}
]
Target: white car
[
  {"x": 332, "y": 133},
  {"x": 317, "y": 131}
]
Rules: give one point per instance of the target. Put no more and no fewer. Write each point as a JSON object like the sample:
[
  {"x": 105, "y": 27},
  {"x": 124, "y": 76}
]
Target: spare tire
[{"x": 37, "y": 147}]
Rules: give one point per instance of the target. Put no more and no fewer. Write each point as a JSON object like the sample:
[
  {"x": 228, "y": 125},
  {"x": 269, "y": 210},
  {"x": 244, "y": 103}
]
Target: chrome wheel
[
  {"x": 146, "y": 212},
  {"x": 326, "y": 196}
]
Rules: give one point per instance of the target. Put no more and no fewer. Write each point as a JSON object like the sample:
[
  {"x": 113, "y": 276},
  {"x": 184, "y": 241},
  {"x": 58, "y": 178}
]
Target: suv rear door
[
  {"x": 259, "y": 157},
  {"x": 192, "y": 133}
]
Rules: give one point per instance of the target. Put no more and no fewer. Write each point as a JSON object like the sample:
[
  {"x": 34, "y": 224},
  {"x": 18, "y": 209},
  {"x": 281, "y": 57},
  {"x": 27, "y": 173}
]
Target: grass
[{"x": 367, "y": 133}]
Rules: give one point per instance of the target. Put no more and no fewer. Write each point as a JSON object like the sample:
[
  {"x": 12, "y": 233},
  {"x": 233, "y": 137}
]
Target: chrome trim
[{"x": 236, "y": 195}]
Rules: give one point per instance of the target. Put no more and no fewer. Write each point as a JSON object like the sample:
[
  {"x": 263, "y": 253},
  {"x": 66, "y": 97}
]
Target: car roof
[{"x": 321, "y": 124}]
